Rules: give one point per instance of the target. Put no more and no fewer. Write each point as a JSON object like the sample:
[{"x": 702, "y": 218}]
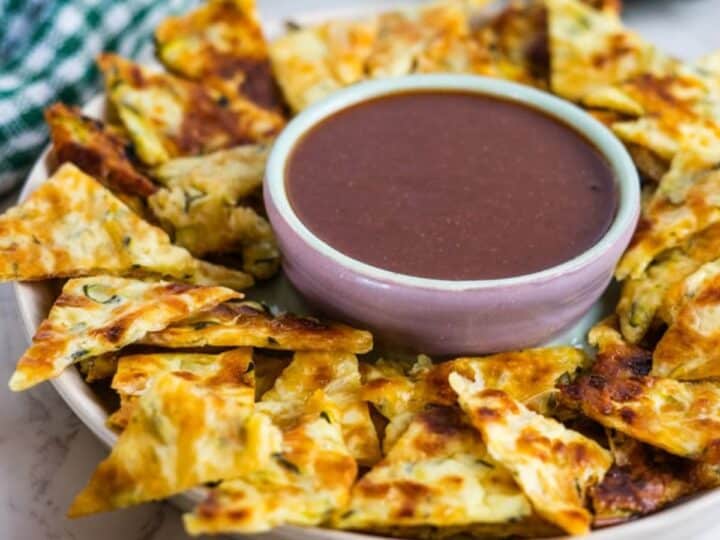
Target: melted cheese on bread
[
  {"x": 553, "y": 465},
  {"x": 101, "y": 314},
  {"x": 73, "y": 226},
  {"x": 181, "y": 434},
  {"x": 247, "y": 324}
]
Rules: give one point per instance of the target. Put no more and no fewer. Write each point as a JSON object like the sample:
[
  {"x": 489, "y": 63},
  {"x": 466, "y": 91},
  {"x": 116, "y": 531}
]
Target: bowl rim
[{"x": 626, "y": 176}]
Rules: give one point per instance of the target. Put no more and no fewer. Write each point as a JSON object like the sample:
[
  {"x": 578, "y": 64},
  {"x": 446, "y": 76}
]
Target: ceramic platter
[{"x": 683, "y": 520}]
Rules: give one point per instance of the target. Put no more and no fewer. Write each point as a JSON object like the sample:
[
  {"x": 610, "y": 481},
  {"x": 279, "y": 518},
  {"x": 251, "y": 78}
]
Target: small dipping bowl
[{"x": 447, "y": 317}]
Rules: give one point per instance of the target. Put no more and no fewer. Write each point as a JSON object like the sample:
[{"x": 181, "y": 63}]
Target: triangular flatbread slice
[
  {"x": 554, "y": 466},
  {"x": 205, "y": 206},
  {"x": 598, "y": 62},
  {"x": 687, "y": 288},
  {"x": 642, "y": 298},
  {"x": 73, "y": 226},
  {"x": 591, "y": 52},
  {"x": 434, "y": 38},
  {"x": 303, "y": 484},
  {"x": 529, "y": 376},
  {"x": 101, "y": 314},
  {"x": 338, "y": 376},
  {"x": 206, "y": 224},
  {"x": 665, "y": 225},
  {"x": 687, "y": 167},
  {"x": 679, "y": 113},
  {"x": 168, "y": 117},
  {"x": 643, "y": 480},
  {"x": 221, "y": 45},
  {"x": 310, "y": 63},
  {"x": 97, "y": 149},
  {"x": 231, "y": 174},
  {"x": 688, "y": 349},
  {"x": 248, "y": 324},
  {"x": 615, "y": 356},
  {"x": 181, "y": 435},
  {"x": 135, "y": 372},
  {"x": 517, "y": 39},
  {"x": 437, "y": 474},
  {"x": 682, "y": 418}
]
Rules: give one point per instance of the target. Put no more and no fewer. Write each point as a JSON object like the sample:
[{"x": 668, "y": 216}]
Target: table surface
[{"x": 47, "y": 454}]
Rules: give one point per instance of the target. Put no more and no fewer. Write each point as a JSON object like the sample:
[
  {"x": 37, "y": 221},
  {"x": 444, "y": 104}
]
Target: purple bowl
[{"x": 447, "y": 317}]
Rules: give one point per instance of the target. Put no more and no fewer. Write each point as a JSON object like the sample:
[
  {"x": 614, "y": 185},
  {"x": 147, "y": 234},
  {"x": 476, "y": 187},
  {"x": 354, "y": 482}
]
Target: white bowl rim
[{"x": 625, "y": 172}]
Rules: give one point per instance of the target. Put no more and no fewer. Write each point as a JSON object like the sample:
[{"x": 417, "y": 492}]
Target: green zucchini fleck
[
  {"x": 77, "y": 355},
  {"x": 98, "y": 293},
  {"x": 202, "y": 325},
  {"x": 289, "y": 465},
  {"x": 190, "y": 198}
]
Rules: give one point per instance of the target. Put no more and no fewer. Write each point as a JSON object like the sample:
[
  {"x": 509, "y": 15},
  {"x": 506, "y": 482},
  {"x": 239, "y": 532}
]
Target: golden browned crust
[
  {"x": 689, "y": 349},
  {"x": 208, "y": 205},
  {"x": 97, "y": 315},
  {"x": 248, "y": 324},
  {"x": 681, "y": 418},
  {"x": 616, "y": 357},
  {"x": 518, "y": 42},
  {"x": 73, "y": 226},
  {"x": 95, "y": 148},
  {"x": 199, "y": 434},
  {"x": 312, "y": 62},
  {"x": 221, "y": 44},
  {"x": 651, "y": 165},
  {"x": 529, "y": 376},
  {"x": 168, "y": 117},
  {"x": 303, "y": 483},
  {"x": 336, "y": 375},
  {"x": 665, "y": 225},
  {"x": 555, "y": 466},
  {"x": 438, "y": 474},
  {"x": 619, "y": 393},
  {"x": 135, "y": 372},
  {"x": 592, "y": 52},
  {"x": 642, "y": 480}
]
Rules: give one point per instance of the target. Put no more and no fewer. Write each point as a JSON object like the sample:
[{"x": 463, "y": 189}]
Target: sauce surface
[{"x": 451, "y": 185}]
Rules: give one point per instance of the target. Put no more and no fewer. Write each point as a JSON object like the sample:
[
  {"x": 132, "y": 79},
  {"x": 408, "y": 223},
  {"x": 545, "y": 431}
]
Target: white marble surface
[{"x": 46, "y": 454}]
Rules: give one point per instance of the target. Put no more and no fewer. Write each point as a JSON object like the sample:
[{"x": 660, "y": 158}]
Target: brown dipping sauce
[{"x": 451, "y": 185}]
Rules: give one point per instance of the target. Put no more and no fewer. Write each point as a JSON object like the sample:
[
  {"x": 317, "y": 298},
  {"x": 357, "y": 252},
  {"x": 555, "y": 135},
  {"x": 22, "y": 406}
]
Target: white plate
[{"x": 35, "y": 299}]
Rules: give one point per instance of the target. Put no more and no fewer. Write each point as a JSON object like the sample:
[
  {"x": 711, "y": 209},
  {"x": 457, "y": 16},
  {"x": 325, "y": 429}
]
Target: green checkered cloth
[{"x": 47, "y": 53}]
